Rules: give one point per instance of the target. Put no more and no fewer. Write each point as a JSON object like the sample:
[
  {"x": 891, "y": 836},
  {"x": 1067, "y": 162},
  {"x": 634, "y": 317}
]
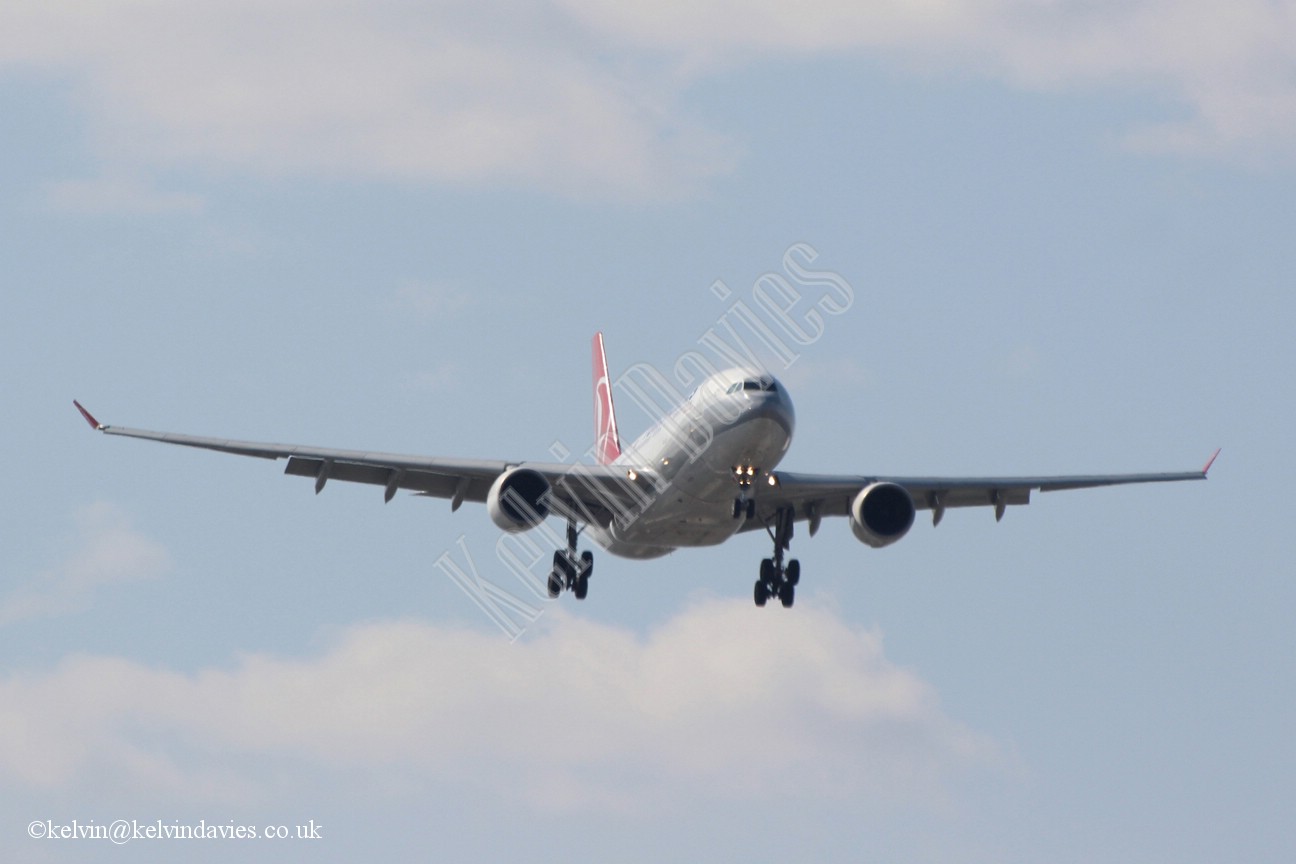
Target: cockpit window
[{"x": 764, "y": 384}]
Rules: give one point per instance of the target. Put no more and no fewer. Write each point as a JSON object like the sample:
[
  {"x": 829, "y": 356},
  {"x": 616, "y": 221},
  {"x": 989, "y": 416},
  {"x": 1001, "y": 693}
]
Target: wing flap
[{"x": 445, "y": 484}]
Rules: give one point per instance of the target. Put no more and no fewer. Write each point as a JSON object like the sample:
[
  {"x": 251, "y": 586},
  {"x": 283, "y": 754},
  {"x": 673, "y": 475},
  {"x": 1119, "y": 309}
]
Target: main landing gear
[
  {"x": 571, "y": 571},
  {"x": 776, "y": 579}
]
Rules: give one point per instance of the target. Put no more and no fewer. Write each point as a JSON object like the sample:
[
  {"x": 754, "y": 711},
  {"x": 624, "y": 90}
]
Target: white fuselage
[{"x": 735, "y": 420}]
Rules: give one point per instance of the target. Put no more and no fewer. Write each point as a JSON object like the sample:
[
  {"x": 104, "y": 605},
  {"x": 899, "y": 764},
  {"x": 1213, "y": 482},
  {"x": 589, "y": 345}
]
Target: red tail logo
[{"x": 607, "y": 443}]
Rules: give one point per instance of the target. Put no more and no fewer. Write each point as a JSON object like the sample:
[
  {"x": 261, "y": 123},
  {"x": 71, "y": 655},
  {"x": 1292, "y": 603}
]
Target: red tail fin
[{"x": 607, "y": 443}]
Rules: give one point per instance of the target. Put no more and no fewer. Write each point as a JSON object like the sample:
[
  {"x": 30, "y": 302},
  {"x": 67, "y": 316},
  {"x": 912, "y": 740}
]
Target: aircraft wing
[
  {"x": 594, "y": 493},
  {"x": 813, "y": 496}
]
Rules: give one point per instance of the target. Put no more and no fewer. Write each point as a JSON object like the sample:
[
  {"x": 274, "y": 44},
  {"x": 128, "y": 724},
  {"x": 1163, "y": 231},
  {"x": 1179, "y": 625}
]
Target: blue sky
[{"x": 390, "y": 227}]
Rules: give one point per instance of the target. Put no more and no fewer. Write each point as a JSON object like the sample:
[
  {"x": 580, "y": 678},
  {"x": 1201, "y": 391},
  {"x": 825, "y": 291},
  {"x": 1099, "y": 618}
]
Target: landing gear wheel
[
  {"x": 786, "y": 595},
  {"x": 776, "y": 578},
  {"x": 738, "y": 508},
  {"x": 584, "y": 569},
  {"x": 751, "y": 509},
  {"x": 570, "y": 570},
  {"x": 563, "y": 569}
]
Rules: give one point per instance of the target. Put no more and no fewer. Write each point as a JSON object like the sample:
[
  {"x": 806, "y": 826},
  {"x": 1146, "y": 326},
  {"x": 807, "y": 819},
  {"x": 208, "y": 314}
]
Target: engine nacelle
[
  {"x": 881, "y": 514},
  {"x": 518, "y": 500}
]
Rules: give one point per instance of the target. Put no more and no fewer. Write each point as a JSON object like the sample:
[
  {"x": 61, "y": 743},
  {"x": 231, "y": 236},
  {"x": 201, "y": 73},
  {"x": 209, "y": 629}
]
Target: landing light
[
  {"x": 773, "y": 481},
  {"x": 633, "y": 475}
]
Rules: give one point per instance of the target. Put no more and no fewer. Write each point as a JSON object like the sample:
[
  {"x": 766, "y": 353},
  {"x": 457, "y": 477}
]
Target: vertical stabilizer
[{"x": 607, "y": 443}]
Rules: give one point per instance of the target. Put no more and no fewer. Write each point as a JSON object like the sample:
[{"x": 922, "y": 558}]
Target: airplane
[{"x": 706, "y": 472}]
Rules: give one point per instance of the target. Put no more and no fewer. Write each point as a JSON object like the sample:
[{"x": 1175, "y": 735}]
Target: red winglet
[
  {"x": 89, "y": 418},
  {"x": 1211, "y": 461}
]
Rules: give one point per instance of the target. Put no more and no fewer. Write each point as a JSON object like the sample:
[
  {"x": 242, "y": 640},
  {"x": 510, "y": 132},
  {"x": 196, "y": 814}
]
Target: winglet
[
  {"x": 89, "y": 418},
  {"x": 1211, "y": 461}
]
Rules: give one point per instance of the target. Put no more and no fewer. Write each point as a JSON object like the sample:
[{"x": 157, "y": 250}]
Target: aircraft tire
[{"x": 786, "y": 595}]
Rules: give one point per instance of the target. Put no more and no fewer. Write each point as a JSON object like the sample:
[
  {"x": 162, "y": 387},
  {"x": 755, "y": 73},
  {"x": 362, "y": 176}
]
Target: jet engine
[
  {"x": 518, "y": 500},
  {"x": 881, "y": 514}
]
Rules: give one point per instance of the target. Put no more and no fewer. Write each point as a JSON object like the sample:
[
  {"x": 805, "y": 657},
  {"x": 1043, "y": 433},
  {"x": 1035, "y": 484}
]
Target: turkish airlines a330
[{"x": 706, "y": 472}]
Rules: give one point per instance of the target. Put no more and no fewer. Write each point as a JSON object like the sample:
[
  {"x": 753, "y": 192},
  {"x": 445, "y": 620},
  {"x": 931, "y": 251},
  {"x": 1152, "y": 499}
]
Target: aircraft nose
[{"x": 775, "y": 405}]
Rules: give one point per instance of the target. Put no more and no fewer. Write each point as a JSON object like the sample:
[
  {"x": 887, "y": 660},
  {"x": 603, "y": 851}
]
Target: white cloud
[
  {"x": 719, "y": 30},
  {"x": 107, "y": 551},
  {"x": 581, "y": 97},
  {"x": 719, "y": 700},
  {"x": 450, "y": 92},
  {"x": 1231, "y": 67}
]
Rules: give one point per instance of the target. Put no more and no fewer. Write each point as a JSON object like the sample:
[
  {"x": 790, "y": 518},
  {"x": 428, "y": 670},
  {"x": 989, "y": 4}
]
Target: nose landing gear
[{"x": 744, "y": 506}]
